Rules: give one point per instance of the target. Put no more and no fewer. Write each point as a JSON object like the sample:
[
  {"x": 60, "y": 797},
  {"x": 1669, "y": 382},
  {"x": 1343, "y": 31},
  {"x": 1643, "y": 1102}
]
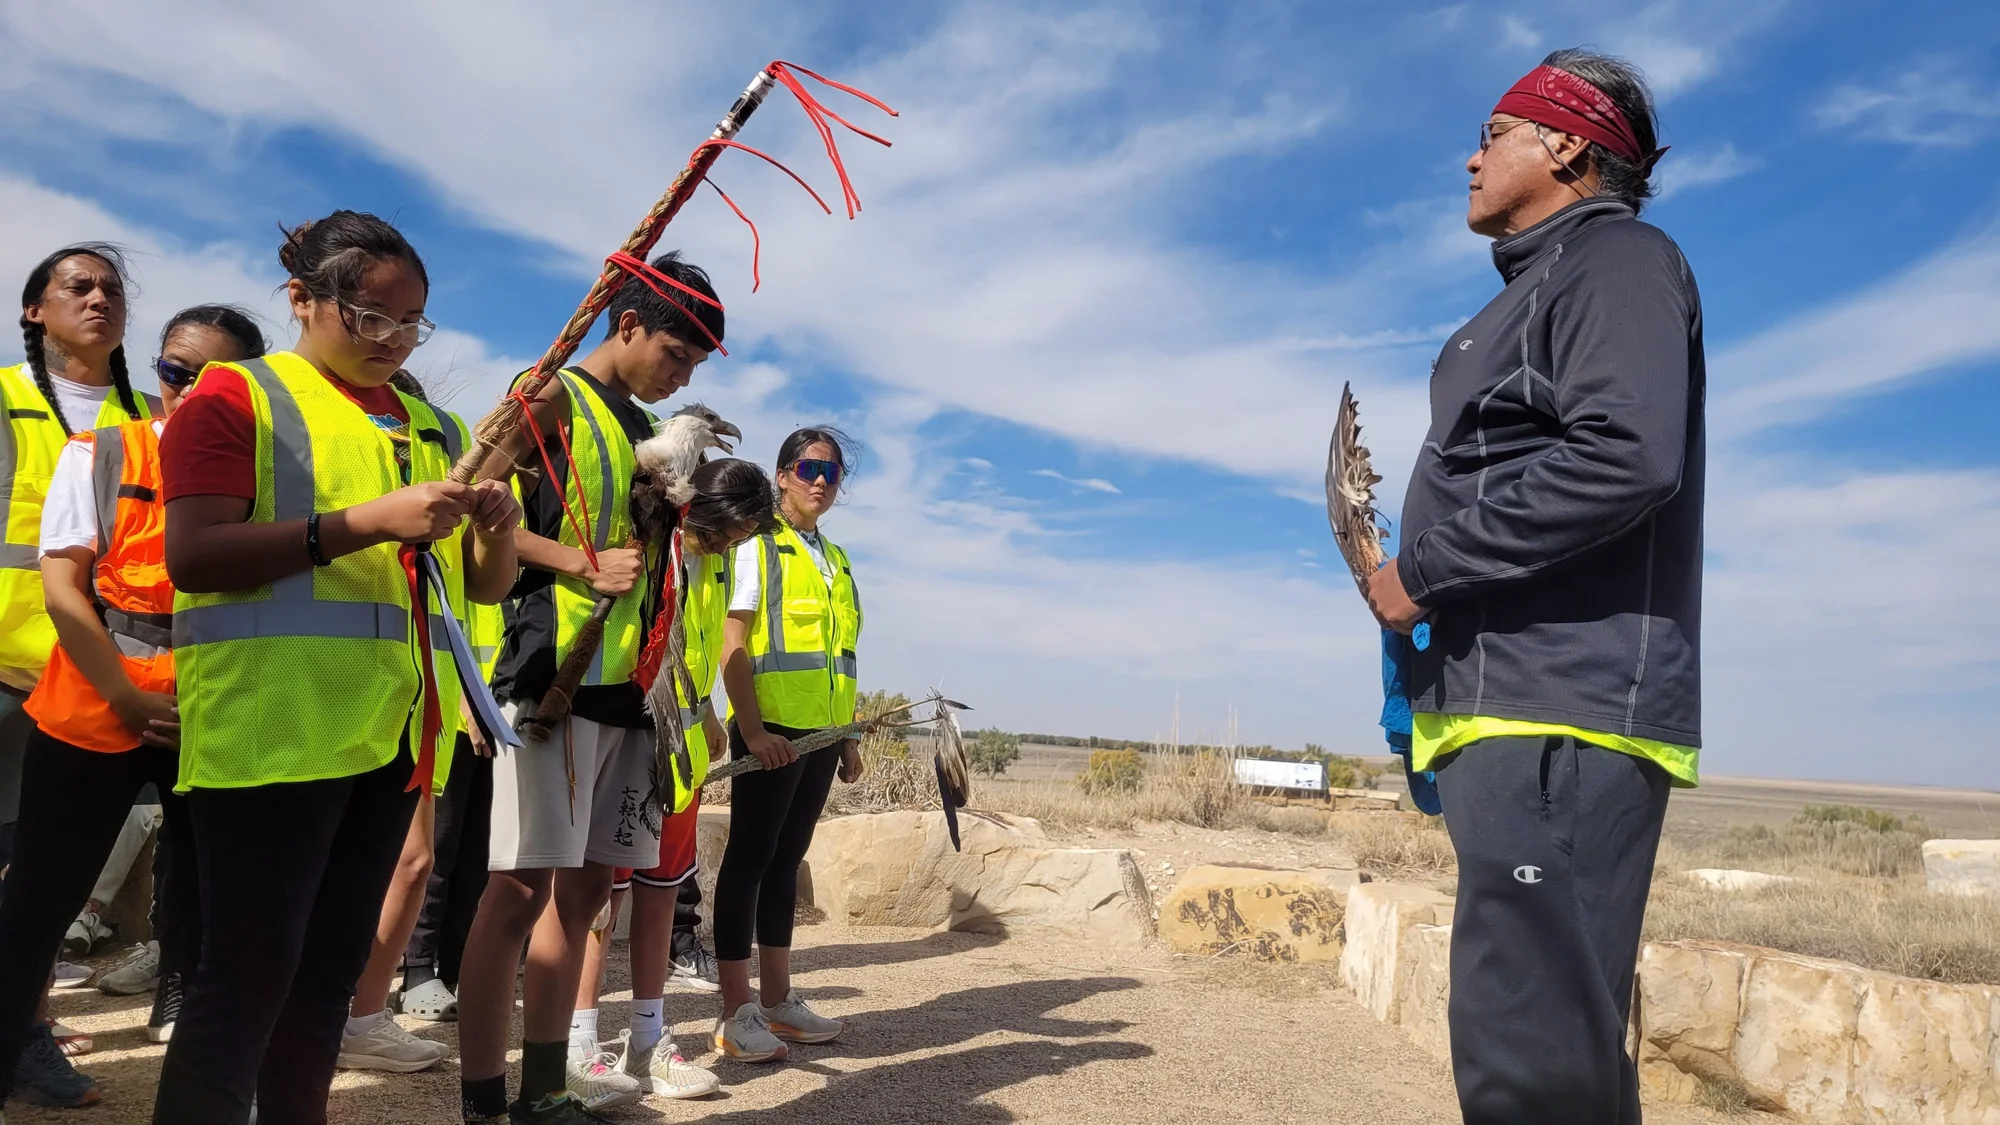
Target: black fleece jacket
[{"x": 1553, "y": 523}]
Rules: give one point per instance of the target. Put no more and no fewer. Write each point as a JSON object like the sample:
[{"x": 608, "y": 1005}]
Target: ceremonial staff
[{"x": 502, "y": 440}]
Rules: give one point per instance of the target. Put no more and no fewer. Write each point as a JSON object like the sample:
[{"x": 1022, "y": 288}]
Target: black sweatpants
[
  {"x": 1555, "y": 841},
  {"x": 74, "y": 803},
  {"x": 687, "y": 916},
  {"x": 293, "y": 877},
  {"x": 458, "y": 869},
  {"x": 772, "y": 814}
]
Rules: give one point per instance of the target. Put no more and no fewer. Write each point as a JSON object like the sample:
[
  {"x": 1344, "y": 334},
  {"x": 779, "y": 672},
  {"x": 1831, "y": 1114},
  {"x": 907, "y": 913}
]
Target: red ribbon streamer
[
  {"x": 562, "y": 493},
  {"x": 433, "y": 724}
]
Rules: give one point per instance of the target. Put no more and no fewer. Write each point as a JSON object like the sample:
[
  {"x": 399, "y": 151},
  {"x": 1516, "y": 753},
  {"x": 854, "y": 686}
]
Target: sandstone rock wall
[{"x": 1378, "y": 958}]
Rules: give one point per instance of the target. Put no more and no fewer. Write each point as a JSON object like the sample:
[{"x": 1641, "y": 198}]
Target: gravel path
[{"x": 958, "y": 1029}]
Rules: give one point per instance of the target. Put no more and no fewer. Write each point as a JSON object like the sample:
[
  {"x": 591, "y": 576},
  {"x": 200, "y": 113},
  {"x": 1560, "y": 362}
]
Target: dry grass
[
  {"x": 1392, "y": 846},
  {"x": 1838, "y": 839},
  {"x": 1859, "y": 897},
  {"x": 1725, "y": 1094},
  {"x": 1893, "y": 926}
]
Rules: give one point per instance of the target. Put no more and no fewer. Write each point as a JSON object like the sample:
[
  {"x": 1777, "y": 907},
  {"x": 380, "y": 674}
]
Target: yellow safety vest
[
  {"x": 802, "y": 642},
  {"x": 315, "y": 675},
  {"x": 485, "y": 632},
  {"x": 601, "y": 481},
  {"x": 29, "y": 444},
  {"x": 706, "y": 608}
]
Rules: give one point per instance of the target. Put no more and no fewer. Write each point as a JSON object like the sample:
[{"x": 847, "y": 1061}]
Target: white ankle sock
[
  {"x": 646, "y": 1024},
  {"x": 362, "y": 1025},
  {"x": 583, "y": 1032}
]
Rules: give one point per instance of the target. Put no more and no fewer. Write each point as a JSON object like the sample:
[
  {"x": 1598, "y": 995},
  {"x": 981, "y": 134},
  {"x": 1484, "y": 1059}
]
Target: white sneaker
[
  {"x": 384, "y": 1045},
  {"x": 746, "y": 1036},
  {"x": 86, "y": 934},
  {"x": 599, "y": 1080},
  {"x": 432, "y": 1001},
  {"x": 138, "y": 973},
  {"x": 793, "y": 1021},
  {"x": 70, "y": 975},
  {"x": 666, "y": 1073},
  {"x": 694, "y": 970}
]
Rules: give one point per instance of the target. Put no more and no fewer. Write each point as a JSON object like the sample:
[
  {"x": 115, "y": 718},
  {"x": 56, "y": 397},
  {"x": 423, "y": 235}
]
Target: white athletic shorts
[{"x": 613, "y": 819}]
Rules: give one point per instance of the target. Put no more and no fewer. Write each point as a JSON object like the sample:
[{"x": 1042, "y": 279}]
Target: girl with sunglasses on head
[
  {"x": 788, "y": 663},
  {"x": 302, "y": 491},
  {"x": 104, "y": 710}
]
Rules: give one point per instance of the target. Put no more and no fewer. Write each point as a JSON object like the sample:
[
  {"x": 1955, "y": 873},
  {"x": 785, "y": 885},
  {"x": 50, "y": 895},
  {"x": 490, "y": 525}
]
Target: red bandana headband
[{"x": 1561, "y": 100}]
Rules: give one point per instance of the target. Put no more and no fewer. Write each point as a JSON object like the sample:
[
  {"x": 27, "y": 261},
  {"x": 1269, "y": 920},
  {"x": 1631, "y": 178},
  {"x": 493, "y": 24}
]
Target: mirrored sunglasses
[
  {"x": 173, "y": 374},
  {"x": 811, "y": 469}
]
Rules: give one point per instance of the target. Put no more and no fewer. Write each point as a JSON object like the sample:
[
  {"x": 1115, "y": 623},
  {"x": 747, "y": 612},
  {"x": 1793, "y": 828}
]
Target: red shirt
[{"x": 210, "y": 449}]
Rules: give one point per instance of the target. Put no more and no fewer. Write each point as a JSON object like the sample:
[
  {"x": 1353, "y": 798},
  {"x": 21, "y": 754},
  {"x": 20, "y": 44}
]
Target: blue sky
[{"x": 1108, "y": 283}]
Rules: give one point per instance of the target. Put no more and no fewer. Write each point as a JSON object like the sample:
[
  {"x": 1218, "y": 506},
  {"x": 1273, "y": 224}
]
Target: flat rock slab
[
  {"x": 1263, "y": 913},
  {"x": 1727, "y": 879},
  {"x": 1963, "y": 867}
]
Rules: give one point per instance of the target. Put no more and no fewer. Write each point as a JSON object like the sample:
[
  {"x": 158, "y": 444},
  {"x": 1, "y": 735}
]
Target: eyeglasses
[
  {"x": 381, "y": 328},
  {"x": 1490, "y": 131},
  {"x": 173, "y": 374},
  {"x": 811, "y": 469}
]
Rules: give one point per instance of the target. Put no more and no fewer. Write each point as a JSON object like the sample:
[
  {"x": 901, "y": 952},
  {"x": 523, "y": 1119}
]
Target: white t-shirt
[
  {"x": 69, "y": 515},
  {"x": 748, "y": 594},
  {"x": 79, "y": 402}
]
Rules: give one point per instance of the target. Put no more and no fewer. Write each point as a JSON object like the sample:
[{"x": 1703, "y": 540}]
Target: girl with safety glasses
[{"x": 788, "y": 664}]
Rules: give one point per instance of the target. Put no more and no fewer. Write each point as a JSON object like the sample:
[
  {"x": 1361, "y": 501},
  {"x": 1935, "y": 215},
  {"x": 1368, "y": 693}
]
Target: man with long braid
[{"x": 73, "y": 331}]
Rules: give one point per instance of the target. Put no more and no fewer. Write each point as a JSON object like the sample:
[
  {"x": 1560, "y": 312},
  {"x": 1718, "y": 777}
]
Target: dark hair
[
  {"x": 1621, "y": 82},
  {"x": 407, "y": 383},
  {"x": 729, "y": 493},
  {"x": 672, "y": 312},
  {"x": 229, "y": 320},
  {"x": 804, "y": 438},
  {"x": 34, "y": 337},
  {"x": 329, "y": 256}
]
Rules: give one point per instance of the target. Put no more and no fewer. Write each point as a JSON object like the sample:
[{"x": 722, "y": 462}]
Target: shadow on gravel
[
  {"x": 957, "y": 1017},
  {"x": 942, "y": 1088},
  {"x": 859, "y": 955}
]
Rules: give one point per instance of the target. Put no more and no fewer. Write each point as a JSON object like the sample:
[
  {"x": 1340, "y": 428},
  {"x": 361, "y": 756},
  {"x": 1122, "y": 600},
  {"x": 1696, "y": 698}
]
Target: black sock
[
  {"x": 542, "y": 1069},
  {"x": 483, "y": 1097},
  {"x": 416, "y": 976}
]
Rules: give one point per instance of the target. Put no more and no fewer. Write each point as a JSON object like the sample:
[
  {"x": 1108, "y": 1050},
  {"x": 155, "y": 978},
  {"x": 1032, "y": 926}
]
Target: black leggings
[
  {"x": 458, "y": 867},
  {"x": 772, "y": 814},
  {"x": 74, "y": 802},
  {"x": 293, "y": 876}
]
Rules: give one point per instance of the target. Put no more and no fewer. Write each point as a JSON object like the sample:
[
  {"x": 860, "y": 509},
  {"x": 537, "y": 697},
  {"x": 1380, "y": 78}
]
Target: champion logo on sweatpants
[{"x": 1528, "y": 873}]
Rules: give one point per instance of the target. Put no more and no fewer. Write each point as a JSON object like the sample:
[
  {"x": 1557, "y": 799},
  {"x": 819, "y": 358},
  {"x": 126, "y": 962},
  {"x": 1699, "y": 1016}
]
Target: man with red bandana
[{"x": 1550, "y": 574}]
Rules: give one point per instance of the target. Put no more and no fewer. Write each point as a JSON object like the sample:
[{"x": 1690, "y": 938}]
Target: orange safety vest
[{"x": 134, "y": 598}]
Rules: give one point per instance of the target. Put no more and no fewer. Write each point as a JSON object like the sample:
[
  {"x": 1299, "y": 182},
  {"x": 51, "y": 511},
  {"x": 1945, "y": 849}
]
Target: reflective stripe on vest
[
  {"x": 802, "y": 646},
  {"x": 30, "y": 440},
  {"x": 600, "y": 481},
  {"x": 315, "y": 675}
]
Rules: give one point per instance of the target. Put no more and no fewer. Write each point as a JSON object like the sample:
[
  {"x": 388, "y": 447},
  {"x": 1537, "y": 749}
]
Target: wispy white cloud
[
  {"x": 1940, "y": 313},
  {"x": 1093, "y": 484},
  {"x": 1515, "y": 32},
  {"x": 1934, "y": 104},
  {"x": 1681, "y": 172}
]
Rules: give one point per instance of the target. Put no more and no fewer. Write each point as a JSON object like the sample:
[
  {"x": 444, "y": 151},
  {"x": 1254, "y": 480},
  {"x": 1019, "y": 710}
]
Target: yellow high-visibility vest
[
  {"x": 600, "y": 481},
  {"x": 802, "y": 639},
  {"x": 316, "y": 675},
  {"x": 706, "y": 608},
  {"x": 29, "y": 444}
]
